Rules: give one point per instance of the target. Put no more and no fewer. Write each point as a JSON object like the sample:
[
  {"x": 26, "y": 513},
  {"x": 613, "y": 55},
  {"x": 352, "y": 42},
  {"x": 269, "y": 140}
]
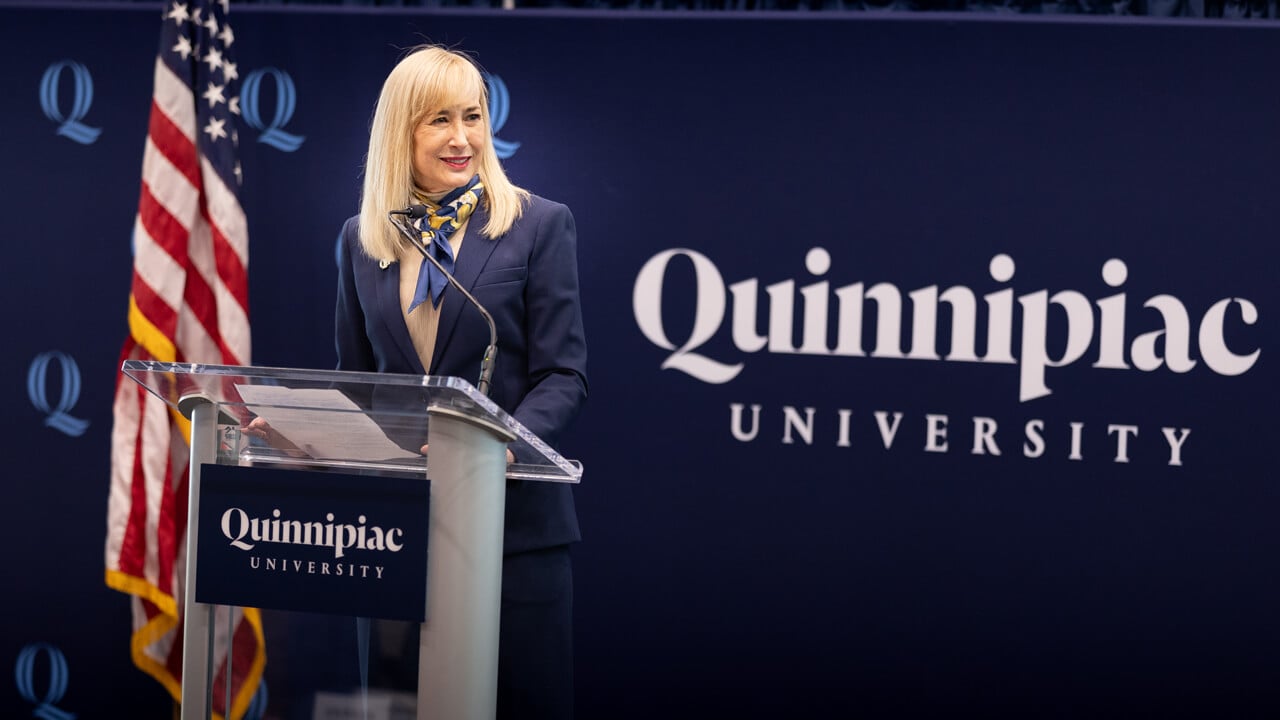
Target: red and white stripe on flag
[{"x": 188, "y": 303}]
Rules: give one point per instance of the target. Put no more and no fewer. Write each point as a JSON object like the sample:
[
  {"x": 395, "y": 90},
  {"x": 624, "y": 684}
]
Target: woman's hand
[{"x": 262, "y": 430}]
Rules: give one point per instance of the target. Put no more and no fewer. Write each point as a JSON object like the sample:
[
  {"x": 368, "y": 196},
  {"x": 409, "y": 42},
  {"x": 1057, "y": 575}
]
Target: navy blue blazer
[{"x": 528, "y": 280}]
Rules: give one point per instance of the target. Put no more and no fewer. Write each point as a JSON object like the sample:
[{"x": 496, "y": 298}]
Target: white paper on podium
[{"x": 323, "y": 422}]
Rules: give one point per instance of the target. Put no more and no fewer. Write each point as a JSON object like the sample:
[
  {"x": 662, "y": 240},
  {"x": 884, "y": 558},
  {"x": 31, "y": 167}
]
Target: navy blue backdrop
[{"x": 779, "y": 520}]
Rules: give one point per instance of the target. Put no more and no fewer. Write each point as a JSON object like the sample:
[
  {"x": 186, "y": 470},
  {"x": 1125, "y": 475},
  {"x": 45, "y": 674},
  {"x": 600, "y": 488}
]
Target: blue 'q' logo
[
  {"x": 258, "y": 705},
  {"x": 70, "y": 126},
  {"x": 37, "y": 387},
  {"x": 24, "y": 675},
  {"x": 286, "y": 100},
  {"x": 499, "y": 108}
]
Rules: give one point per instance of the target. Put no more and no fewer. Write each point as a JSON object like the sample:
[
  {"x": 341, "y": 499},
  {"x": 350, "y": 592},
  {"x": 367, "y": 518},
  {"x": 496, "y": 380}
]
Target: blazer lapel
[
  {"x": 474, "y": 255},
  {"x": 388, "y": 283}
]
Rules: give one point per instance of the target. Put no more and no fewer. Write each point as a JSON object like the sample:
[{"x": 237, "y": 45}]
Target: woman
[{"x": 431, "y": 143}]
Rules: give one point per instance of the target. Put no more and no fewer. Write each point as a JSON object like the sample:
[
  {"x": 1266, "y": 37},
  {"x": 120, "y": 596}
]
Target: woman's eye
[{"x": 474, "y": 117}]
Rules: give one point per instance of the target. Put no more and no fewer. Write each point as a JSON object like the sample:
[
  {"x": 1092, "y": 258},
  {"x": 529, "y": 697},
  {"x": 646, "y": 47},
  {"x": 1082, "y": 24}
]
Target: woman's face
[{"x": 446, "y": 144}]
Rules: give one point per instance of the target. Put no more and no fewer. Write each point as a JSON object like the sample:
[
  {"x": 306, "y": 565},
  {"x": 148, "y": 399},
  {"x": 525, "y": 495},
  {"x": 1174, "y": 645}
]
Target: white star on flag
[
  {"x": 214, "y": 94},
  {"x": 215, "y": 128},
  {"x": 214, "y": 58},
  {"x": 179, "y": 13},
  {"x": 183, "y": 47}
]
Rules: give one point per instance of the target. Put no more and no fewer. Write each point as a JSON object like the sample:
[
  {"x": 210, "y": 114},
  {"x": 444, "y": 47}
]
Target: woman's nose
[{"x": 459, "y": 134}]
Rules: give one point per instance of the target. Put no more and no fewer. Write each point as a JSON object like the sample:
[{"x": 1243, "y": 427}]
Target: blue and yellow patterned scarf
[{"x": 436, "y": 228}]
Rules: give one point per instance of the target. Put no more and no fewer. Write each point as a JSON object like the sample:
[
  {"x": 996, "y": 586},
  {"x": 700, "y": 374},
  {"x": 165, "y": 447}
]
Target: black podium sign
[{"x": 313, "y": 541}]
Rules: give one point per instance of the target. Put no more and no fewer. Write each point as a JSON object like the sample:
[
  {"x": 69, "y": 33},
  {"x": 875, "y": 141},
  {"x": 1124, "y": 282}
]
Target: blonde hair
[{"x": 430, "y": 77}]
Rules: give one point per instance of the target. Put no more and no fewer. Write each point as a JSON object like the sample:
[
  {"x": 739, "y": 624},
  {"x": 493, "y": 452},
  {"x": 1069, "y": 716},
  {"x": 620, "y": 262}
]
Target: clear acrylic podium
[{"x": 372, "y": 423}]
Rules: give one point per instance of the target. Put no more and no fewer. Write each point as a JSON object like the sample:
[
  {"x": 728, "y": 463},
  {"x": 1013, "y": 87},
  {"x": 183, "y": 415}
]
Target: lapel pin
[{"x": 383, "y": 264}]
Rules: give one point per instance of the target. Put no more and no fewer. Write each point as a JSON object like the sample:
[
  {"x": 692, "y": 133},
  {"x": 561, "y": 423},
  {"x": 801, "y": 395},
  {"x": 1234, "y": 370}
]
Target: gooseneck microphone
[{"x": 415, "y": 212}]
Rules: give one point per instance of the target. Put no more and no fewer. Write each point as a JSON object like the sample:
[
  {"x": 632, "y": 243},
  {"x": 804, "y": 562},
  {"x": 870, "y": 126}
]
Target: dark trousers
[{"x": 535, "y": 640}]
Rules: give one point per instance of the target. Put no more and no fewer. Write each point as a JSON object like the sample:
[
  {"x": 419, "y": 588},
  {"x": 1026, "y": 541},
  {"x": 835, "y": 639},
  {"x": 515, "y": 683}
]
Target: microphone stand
[{"x": 491, "y": 352}]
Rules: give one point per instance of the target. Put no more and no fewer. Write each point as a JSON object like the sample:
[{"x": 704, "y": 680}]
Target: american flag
[{"x": 188, "y": 303}]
